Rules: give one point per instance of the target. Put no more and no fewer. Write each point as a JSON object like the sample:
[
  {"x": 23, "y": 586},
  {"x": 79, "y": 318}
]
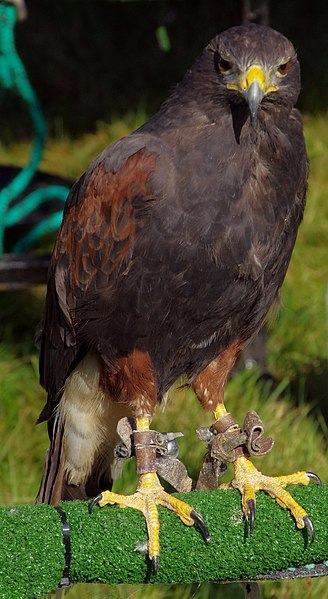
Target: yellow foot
[
  {"x": 249, "y": 480},
  {"x": 150, "y": 493}
]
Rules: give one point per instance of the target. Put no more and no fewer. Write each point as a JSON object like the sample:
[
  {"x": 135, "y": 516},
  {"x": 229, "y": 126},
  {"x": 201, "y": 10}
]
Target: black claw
[
  {"x": 251, "y": 515},
  {"x": 199, "y": 520},
  {"x": 314, "y": 477},
  {"x": 155, "y": 564},
  {"x": 308, "y": 523},
  {"x": 94, "y": 502}
]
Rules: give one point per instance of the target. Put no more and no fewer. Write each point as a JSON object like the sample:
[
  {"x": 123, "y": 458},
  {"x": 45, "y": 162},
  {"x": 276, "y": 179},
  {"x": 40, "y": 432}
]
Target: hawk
[{"x": 173, "y": 246}]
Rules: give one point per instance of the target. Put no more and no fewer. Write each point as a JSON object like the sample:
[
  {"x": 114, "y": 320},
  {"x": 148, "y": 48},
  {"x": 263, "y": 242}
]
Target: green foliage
[{"x": 297, "y": 357}]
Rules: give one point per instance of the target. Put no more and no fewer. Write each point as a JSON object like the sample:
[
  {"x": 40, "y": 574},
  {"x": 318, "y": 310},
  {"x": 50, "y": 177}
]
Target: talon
[
  {"x": 94, "y": 502},
  {"x": 155, "y": 564},
  {"x": 148, "y": 495},
  {"x": 309, "y": 525},
  {"x": 251, "y": 515},
  {"x": 199, "y": 520},
  {"x": 314, "y": 477}
]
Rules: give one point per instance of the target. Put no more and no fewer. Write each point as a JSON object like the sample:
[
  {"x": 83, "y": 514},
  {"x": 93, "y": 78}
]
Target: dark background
[{"x": 95, "y": 59}]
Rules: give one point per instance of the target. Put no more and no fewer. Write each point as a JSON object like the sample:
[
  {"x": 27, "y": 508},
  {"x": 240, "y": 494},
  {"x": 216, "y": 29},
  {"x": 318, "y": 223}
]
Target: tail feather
[{"x": 52, "y": 482}]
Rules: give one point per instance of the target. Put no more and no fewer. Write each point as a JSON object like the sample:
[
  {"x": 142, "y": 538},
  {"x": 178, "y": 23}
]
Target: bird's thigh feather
[{"x": 89, "y": 418}]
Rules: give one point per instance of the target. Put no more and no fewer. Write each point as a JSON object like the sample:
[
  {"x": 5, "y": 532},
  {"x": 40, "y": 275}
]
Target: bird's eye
[
  {"x": 284, "y": 68},
  {"x": 224, "y": 65}
]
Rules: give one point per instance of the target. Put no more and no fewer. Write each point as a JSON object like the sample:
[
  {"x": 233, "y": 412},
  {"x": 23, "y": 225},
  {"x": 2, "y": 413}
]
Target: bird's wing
[{"x": 104, "y": 212}]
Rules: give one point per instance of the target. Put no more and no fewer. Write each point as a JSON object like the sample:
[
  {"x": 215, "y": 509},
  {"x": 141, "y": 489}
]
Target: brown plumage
[{"x": 174, "y": 245}]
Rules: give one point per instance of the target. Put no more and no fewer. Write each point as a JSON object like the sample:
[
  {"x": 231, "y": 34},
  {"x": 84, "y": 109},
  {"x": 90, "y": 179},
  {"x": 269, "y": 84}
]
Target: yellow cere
[{"x": 254, "y": 73}]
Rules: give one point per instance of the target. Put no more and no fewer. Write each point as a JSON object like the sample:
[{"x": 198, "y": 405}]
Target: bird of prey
[{"x": 173, "y": 246}]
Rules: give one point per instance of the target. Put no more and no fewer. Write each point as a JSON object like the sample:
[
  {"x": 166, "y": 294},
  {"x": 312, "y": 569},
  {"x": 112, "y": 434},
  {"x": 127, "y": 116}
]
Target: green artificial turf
[
  {"x": 104, "y": 545},
  {"x": 31, "y": 551}
]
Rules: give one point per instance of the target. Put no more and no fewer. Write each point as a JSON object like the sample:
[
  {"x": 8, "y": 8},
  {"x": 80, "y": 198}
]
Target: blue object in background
[{"x": 13, "y": 77}]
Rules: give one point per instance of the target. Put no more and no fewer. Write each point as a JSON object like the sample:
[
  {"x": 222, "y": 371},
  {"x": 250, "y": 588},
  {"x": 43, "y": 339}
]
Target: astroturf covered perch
[{"x": 106, "y": 546}]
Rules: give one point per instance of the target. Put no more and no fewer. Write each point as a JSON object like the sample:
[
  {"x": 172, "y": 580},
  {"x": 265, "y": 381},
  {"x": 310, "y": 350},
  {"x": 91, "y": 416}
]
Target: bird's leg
[
  {"x": 249, "y": 480},
  {"x": 150, "y": 492},
  {"x": 227, "y": 442}
]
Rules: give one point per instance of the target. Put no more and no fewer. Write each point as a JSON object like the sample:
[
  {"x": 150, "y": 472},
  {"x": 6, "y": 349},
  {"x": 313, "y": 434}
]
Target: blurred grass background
[{"x": 295, "y": 413}]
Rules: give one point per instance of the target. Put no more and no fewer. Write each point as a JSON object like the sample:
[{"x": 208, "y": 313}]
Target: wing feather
[{"x": 104, "y": 212}]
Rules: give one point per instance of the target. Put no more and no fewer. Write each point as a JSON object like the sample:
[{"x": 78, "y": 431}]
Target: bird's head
[{"x": 255, "y": 64}]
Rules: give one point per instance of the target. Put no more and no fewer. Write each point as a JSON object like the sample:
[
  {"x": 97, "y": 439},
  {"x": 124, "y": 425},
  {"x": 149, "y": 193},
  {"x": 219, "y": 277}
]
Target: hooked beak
[
  {"x": 253, "y": 96},
  {"x": 253, "y": 85}
]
